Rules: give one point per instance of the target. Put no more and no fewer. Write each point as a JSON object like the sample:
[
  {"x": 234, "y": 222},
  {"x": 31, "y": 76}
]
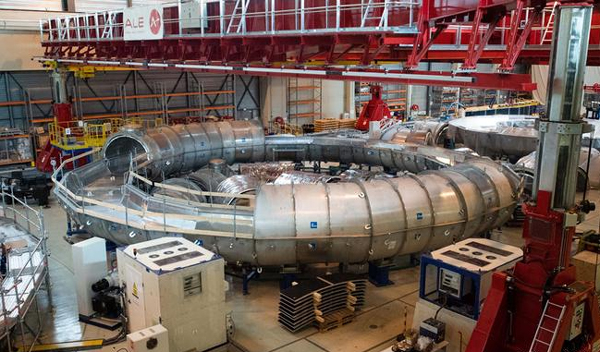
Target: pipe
[{"x": 454, "y": 196}]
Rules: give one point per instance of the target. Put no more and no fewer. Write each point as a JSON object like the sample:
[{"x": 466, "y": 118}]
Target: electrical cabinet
[
  {"x": 193, "y": 14},
  {"x": 178, "y": 284}
]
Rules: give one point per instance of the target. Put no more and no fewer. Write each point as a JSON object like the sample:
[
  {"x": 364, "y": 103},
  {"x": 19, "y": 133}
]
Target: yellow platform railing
[{"x": 83, "y": 135}]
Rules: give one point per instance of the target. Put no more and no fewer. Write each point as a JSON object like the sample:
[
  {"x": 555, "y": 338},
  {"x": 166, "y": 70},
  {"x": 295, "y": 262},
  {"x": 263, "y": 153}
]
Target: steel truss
[{"x": 325, "y": 33}]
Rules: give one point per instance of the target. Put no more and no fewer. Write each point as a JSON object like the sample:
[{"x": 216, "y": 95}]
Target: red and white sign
[{"x": 143, "y": 23}]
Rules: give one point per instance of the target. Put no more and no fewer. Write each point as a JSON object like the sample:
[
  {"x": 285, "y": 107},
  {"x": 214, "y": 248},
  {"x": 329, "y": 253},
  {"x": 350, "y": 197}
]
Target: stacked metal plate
[{"x": 300, "y": 305}]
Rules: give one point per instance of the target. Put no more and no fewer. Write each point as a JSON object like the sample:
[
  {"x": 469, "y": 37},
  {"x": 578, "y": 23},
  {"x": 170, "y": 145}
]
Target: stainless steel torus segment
[
  {"x": 443, "y": 196},
  {"x": 184, "y": 148}
]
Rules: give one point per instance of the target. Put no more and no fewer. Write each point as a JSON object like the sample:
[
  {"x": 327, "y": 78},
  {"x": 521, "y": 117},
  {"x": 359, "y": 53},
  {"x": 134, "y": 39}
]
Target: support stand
[
  {"x": 379, "y": 274},
  {"x": 247, "y": 276}
]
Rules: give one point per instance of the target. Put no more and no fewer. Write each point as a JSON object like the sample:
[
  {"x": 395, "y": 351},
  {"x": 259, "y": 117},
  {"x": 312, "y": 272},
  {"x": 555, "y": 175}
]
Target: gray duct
[{"x": 349, "y": 222}]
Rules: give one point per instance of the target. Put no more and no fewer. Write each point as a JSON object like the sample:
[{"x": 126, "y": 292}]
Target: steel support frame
[
  {"x": 545, "y": 273},
  {"x": 413, "y": 42},
  {"x": 476, "y": 43},
  {"x": 516, "y": 41},
  {"x": 247, "y": 92},
  {"x": 425, "y": 36}
]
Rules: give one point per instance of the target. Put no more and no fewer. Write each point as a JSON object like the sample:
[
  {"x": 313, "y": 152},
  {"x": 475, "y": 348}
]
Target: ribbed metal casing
[{"x": 447, "y": 196}]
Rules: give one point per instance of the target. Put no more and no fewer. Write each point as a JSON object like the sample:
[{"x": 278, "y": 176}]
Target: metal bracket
[
  {"x": 564, "y": 128},
  {"x": 568, "y": 128}
]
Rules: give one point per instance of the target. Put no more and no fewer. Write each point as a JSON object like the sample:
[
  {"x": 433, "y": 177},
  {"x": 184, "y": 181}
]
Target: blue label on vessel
[
  {"x": 419, "y": 216},
  {"x": 314, "y": 225}
]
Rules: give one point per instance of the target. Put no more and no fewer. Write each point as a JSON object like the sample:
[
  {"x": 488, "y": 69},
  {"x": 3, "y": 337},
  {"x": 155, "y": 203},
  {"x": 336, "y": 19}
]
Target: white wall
[
  {"x": 337, "y": 98},
  {"x": 23, "y": 46},
  {"x": 20, "y": 39},
  {"x": 539, "y": 74},
  {"x": 273, "y": 98}
]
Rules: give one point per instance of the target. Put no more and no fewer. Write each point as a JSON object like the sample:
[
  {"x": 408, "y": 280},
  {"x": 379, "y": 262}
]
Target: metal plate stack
[
  {"x": 300, "y": 306},
  {"x": 322, "y": 125}
]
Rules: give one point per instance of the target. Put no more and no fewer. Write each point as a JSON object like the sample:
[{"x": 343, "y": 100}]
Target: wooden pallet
[
  {"x": 347, "y": 123},
  {"x": 334, "y": 320},
  {"x": 326, "y": 125}
]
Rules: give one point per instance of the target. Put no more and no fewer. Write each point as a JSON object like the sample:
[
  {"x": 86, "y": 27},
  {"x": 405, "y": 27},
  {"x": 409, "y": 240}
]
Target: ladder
[
  {"x": 242, "y": 7},
  {"x": 545, "y": 335},
  {"x": 549, "y": 28},
  {"x": 369, "y": 13}
]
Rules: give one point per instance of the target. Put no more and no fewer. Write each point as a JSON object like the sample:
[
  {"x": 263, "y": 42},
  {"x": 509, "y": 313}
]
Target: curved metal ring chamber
[{"x": 443, "y": 197}]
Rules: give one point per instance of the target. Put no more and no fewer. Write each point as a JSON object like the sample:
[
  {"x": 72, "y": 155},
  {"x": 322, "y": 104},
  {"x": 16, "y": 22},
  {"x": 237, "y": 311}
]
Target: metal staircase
[{"x": 545, "y": 335}]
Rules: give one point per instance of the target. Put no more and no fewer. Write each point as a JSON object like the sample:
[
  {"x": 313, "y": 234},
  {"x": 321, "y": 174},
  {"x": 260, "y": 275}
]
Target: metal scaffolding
[{"x": 27, "y": 272}]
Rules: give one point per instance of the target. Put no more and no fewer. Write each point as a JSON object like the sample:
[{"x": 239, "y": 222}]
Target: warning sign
[
  {"x": 135, "y": 298},
  {"x": 134, "y": 291},
  {"x": 135, "y": 286}
]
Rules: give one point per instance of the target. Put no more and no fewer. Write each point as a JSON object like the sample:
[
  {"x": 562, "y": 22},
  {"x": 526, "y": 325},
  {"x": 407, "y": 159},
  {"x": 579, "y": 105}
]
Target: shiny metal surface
[
  {"x": 514, "y": 136},
  {"x": 561, "y": 131},
  {"x": 528, "y": 163},
  {"x": 441, "y": 197},
  {"x": 185, "y": 183},
  {"x": 422, "y": 132},
  {"x": 495, "y": 136},
  {"x": 238, "y": 184},
  {"x": 299, "y": 177},
  {"x": 184, "y": 148},
  {"x": 266, "y": 171}
]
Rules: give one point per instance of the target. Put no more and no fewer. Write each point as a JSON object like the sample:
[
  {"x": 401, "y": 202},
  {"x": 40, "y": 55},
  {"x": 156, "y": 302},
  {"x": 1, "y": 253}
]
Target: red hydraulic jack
[
  {"x": 539, "y": 306},
  {"x": 375, "y": 110},
  {"x": 52, "y": 155}
]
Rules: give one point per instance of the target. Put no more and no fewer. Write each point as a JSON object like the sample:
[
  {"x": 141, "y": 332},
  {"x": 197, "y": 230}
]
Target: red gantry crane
[
  {"x": 322, "y": 39},
  {"x": 356, "y": 40}
]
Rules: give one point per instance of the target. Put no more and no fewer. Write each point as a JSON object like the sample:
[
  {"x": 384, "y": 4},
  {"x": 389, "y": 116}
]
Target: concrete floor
[{"x": 255, "y": 315}]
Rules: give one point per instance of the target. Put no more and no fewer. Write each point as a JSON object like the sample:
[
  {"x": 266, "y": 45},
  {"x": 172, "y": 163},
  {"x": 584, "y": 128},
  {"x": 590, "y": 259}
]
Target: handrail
[
  {"x": 108, "y": 25},
  {"x": 62, "y": 191},
  {"x": 190, "y": 191},
  {"x": 27, "y": 281}
]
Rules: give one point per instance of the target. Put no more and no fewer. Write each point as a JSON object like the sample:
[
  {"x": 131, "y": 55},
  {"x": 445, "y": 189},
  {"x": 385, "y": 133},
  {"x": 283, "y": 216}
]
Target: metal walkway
[
  {"x": 22, "y": 228},
  {"x": 278, "y": 38}
]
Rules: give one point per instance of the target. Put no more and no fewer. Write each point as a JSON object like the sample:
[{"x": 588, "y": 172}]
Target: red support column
[
  {"x": 516, "y": 40},
  {"x": 419, "y": 48},
  {"x": 424, "y": 38},
  {"x": 474, "y": 52}
]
